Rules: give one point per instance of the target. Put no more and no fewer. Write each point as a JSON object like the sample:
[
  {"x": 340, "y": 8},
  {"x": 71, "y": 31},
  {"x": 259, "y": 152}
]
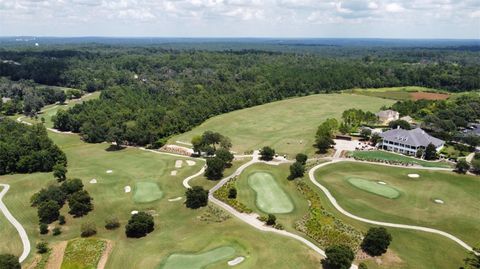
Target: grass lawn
[
  {"x": 458, "y": 216},
  {"x": 146, "y": 192},
  {"x": 177, "y": 229},
  {"x": 400, "y": 93},
  {"x": 374, "y": 187},
  {"x": 199, "y": 260},
  {"x": 83, "y": 253},
  {"x": 289, "y": 126},
  {"x": 270, "y": 197},
  {"x": 378, "y": 155}
]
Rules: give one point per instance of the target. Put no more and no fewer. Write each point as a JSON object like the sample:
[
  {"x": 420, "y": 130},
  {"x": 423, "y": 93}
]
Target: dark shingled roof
[{"x": 416, "y": 137}]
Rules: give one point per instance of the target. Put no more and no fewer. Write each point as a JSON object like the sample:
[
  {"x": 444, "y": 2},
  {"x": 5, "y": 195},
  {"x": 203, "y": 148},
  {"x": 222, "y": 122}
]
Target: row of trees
[{"x": 27, "y": 149}]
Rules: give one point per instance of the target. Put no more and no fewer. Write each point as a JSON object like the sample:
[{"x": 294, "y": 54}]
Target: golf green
[
  {"x": 374, "y": 187},
  {"x": 146, "y": 192},
  {"x": 270, "y": 197},
  {"x": 198, "y": 261}
]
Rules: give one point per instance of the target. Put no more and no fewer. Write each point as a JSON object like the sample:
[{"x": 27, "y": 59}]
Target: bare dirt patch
[
  {"x": 106, "y": 253},
  {"x": 428, "y": 96},
  {"x": 56, "y": 256}
]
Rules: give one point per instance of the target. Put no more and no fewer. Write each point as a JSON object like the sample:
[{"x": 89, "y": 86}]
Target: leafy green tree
[
  {"x": 56, "y": 231},
  {"x": 301, "y": 158},
  {"x": 431, "y": 152},
  {"x": 42, "y": 247},
  {"x": 225, "y": 155},
  {"x": 116, "y": 134},
  {"x": 61, "y": 220},
  {"x": 139, "y": 225},
  {"x": 376, "y": 241},
  {"x": 271, "y": 220},
  {"x": 462, "y": 166},
  {"x": 365, "y": 133},
  {"x": 43, "y": 228},
  {"x": 197, "y": 143},
  {"x": 80, "y": 203},
  {"x": 8, "y": 261},
  {"x": 211, "y": 138},
  {"x": 52, "y": 193},
  {"x": 296, "y": 170},
  {"x": 267, "y": 153},
  {"x": 339, "y": 257},
  {"x": 324, "y": 143},
  {"x": 400, "y": 123},
  {"x": 473, "y": 260},
  {"x": 215, "y": 167},
  {"x": 225, "y": 142},
  {"x": 196, "y": 197},
  {"x": 71, "y": 186},
  {"x": 59, "y": 172},
  {"x": 48, "y": 211}
]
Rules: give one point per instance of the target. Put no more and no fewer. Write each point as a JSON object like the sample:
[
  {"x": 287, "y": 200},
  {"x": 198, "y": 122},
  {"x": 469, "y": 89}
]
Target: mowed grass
[
  {"x": 374, "y": 187},
  {"x": 146, "y": 192},
  {"x": 378, "y": 155},
  {"x": 458, "y": 216},
  {"x": 289, "y": 126},
  {"x": 199, "y": 260},
  {"x": 177, "y": 229},
  {"x": 83, "y": 253},
  {"x": 270, "y": 197}
]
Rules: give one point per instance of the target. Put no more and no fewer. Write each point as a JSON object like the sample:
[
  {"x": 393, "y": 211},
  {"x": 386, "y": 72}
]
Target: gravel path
[
  {"x": 311, "y": 175},
  {"x": 16, "y": 224}
]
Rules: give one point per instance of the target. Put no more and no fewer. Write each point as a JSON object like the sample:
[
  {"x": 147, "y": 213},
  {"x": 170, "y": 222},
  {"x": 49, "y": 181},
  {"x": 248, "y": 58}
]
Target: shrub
[
  {"x": 267, "y": 153},
  {"x": 42, "y": 247},
  {"x": 60, "y": 171},
  {"x": 139, "y": 225},
  {"x": 56, "y": 231},
  {"x": 8, "y": 261},
  {"x": 215, "y": 167},
  {"x": 271, "y": 219},
  {"x": 462, "y": 166},
  {"x": 196, "y": 197},
  {"x": 376, "y": 241},
  {"x": 88, "y": 229},
  {"x": 232, "y": 193},
  {"x": 301, "y": 158},
  {"x": 61, "y": 219},
  {"x": 296, "y": 170},
  {"x": 43, "y": 228},
  {"x": 362, "y": 266},
  {"x": 112, "y": 223},
  {"x": 339, "y": 257}
]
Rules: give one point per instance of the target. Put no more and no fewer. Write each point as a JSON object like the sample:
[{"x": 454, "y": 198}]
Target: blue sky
[{"x": 242, "y": 18}]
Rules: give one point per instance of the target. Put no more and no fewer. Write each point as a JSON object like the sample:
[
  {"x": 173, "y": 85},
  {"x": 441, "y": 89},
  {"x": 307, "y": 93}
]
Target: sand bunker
[
  {"x": 127, "y": 189},
  {"x": 178, "y": 163},
  {"x": 190, "y": 162},
  {"x": 413, "y": 175},
  {"x": 382, "y": 183},
  {"x": 236, "y": 261},
  {"x": 109, "y": 171},
  {"x": 134, "y": 212},
  {"x": 438, "y": 201},
  {"x": 93, "y": 181},
  {"x": 173, "y": 173},
  {"x": 175, "y": 199}
]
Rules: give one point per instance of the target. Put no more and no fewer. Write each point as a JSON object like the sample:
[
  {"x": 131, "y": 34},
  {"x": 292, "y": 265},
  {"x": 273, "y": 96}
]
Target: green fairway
[
  {"x": 374, "y": 187},
  {"x": 378, "y": 156},
  {"x": 289, "y": 126},
  {"x": 200, "y": 260},
  {"x": 458, "y": 216},
  {"x": 146, "y": 192},
  {"x": 83, "y": 253},
  {"x": 270, "y": 198}
]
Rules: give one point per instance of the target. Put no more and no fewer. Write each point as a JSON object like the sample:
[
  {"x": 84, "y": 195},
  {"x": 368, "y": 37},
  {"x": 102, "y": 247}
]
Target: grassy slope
[
  {"x": 289, "y": 125},
  {"x": 388, "y": 156},
  {"x": 459, "y": 215},
  {"x": 174, "y": 230}
]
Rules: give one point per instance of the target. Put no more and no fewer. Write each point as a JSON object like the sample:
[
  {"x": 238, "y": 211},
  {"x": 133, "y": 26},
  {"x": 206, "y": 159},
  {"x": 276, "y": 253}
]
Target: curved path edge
[
  {"x": 21, "y": 231},
  {"x": 311, "y": 175}
]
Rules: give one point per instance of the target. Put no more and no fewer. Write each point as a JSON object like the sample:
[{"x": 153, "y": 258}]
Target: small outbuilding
[{"x": 386, "y": 116}]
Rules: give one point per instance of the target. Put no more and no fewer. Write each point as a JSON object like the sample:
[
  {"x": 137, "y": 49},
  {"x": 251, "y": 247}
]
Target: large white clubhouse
[{"x": 408, "y": 141}]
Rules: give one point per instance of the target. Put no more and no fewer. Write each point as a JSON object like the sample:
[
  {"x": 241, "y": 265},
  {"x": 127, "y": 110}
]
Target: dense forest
[
  {"x": 27, "y": 149},
  {"x": 149, "y": 92}
]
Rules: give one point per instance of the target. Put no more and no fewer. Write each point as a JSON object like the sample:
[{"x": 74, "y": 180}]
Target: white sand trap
[
  {"x": 178, "y": 163},
  {"x": 175, "y": 199},
  {"x": 173, "y": 173},
  {"x": 438, "y": 201},
  {"x": 127, "y": 189},
  {"x": 413, "y": 175},
  {"x": 190, "y": 162},
  {"x": 93, "y": 181},
  {"x": 236, "y": 261},
  {"x": 134, "y": 212},
  {"x": 109, "y": 171},
  {"x": 382, "y": 183}
]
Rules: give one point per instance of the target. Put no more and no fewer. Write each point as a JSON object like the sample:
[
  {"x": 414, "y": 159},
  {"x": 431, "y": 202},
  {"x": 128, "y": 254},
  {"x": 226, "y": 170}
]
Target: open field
[
  {"x": 379, "y": 156},
  {"x": 416, "y": 205},
  {"x": 173, "y": 221},
  {"x": 375, "y": 187},
  {"x": 270, "y": 197},
  {"x": 289, "y": 126},
  {"x": 199, "y": 260},
  {"x": 402, "y": 93}
]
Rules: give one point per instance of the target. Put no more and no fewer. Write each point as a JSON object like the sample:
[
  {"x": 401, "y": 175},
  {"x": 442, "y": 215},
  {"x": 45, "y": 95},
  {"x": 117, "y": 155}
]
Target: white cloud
[{"x": 394, "y": 8}]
